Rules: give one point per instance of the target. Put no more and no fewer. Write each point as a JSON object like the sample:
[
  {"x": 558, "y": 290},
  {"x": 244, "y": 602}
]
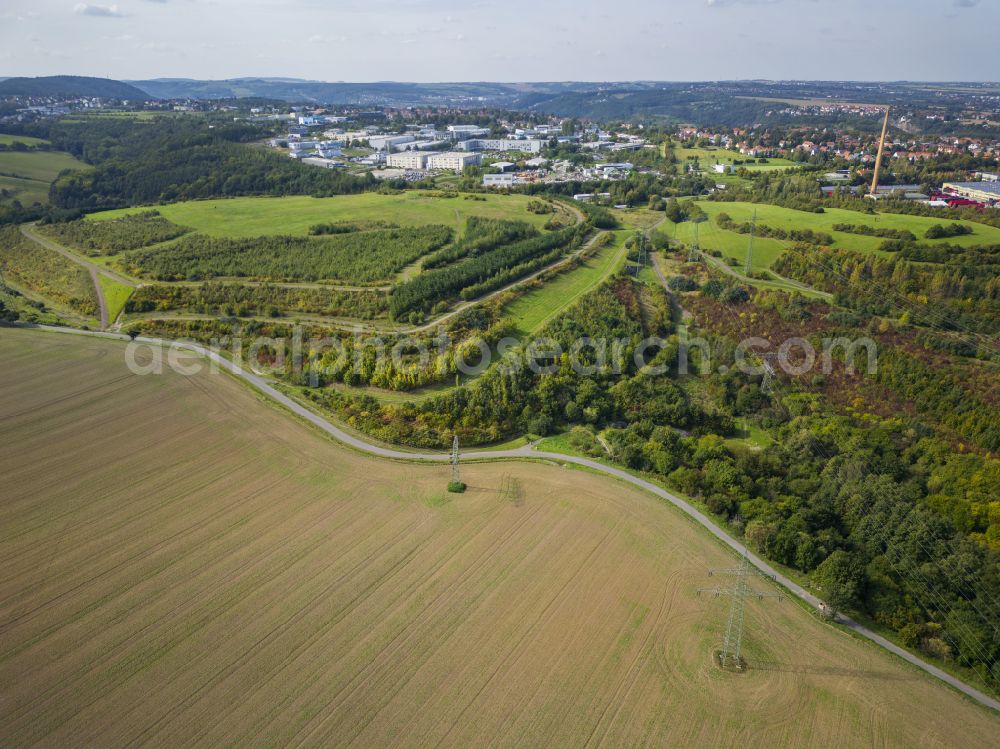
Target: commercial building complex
[
  {"x": 981, "y": 192},
  {"x": 502, "y": 144},
  {"x": 454, "y": 160},
  {"x": 407, "y": 160}
]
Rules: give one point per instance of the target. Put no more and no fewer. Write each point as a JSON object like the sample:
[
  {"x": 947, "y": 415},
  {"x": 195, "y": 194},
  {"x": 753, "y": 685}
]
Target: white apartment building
[
  {"x": 455, "y": 161},
  {"x": 407, "y": 160},
  {"x": 502, "y": 145},
  {"x": 302, "y": 146},
  {"x": 498, "y": 180},
  {"x": 462, "y": 132},
  {"x": 388, "y": 142}
]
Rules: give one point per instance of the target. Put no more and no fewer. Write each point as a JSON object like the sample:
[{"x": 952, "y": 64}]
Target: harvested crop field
[{"x": 184, "y": 564}]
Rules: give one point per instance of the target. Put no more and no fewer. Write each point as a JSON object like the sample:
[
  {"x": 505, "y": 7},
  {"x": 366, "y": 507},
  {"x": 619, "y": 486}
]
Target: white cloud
[{"x": 106, "y": 11}]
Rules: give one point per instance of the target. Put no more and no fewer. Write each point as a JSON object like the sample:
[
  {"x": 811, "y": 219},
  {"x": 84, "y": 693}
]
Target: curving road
[{"x": 528, "y": 452}]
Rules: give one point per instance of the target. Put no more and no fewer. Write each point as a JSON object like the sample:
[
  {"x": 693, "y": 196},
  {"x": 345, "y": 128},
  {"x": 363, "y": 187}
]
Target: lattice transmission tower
[
  {"x": 455, "y": 477},
  {"x": 753, "y": 230},
  {"x": 694, "y": 254},
  {"x": 730, "y": 657}
]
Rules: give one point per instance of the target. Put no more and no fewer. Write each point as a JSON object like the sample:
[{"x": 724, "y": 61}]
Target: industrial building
[
  {"x": 498, "y": 180},
  {"x": 502, "y": 144},
  {"x": 981, "y": 192},
  {"x": 464, "y": 132},
  {"x": 407, "y": 160},
  {"x": 455, "y": 161},
  {"x": 388, "y": 142}
]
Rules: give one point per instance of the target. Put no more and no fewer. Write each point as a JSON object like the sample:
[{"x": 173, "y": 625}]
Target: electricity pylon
[
  {"x": 456, "y": 479},
  {"x": 729, "y": 656},
  {"x": 753, "y": 229},
  {"x": 767, "y": 383},
  {"x": 694, "y": 254},
  {"x": 642, "y": 250}
]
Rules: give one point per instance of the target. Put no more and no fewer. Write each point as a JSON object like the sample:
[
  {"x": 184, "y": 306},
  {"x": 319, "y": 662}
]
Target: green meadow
[
  {"x": 766, "y": 250},
  {"x": 26, "y": 175},
  {"x": 711, "y": 155},
  {"x": 259, "y": 216},
  {"x": 6, "y": 139}
]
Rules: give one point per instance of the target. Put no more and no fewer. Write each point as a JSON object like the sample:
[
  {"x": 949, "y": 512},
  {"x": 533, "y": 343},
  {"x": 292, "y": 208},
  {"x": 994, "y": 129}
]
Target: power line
[
  {"x": 455, "y": 477},
  {"x": 753, "y": 229},
  {"x": 938, "y": 599},
  {"x": 694, "y": 253},
  {"x": 730, "y": 657}
]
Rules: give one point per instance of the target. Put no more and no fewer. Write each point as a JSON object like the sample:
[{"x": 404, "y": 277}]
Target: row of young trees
[
  {"x": 492, "y": 268},
  {"x": 357, "y": 257},
  {"x": 876, "y": 231},
  {"x": 809, "y": 236},
  {"x": 244, "y": 300},
  {"x": 481, "y": 235},
  {"x": 111, "y": 236}
]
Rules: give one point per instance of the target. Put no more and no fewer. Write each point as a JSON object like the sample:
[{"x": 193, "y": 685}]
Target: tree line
[
  {"x": 357, "y": 257},
  {"x": 506, "y": 262}
]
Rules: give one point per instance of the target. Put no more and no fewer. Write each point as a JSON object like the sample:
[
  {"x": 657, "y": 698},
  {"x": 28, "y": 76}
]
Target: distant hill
[
  {"x": 71, "y": 85},
  {"x": 380, "y": 93}
]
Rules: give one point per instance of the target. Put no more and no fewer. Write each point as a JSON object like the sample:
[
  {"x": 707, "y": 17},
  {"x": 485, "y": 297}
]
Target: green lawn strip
[
  {"x": 532, "y": 310},
  {"x": 7, "y": 139},
  {"x": 115, "y": 295}
]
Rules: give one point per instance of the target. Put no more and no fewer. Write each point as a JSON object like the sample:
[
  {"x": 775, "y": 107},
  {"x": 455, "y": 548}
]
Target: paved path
[
  {"x": 102, "y": 303},
  {"x": 29, "y": 231},
  {"x": 528, "y": 452}
]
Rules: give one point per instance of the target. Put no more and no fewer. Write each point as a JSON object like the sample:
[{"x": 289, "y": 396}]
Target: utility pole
[
  {"x": 730, "y": 656},
  {"x": 767, "y": 384},
  {"x": 694, "y": 254},
  {"x": 753, "y": 229},
  {"x": 455, "y": 478}
]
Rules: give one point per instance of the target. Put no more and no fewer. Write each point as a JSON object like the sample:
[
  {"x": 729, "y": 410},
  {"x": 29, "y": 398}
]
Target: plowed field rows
[{"x": 183, "y": 564}]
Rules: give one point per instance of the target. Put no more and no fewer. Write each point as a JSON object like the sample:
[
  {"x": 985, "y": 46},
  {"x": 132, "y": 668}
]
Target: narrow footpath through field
[{"x": 95, "y": 270}]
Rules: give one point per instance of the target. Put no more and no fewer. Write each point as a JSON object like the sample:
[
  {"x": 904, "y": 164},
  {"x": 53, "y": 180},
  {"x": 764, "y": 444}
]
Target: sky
[{"x": 504, "y": 40}]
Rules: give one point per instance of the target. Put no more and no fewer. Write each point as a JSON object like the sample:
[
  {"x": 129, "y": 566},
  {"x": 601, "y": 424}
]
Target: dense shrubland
[
  {"x": 245, "y": 300},
  {"x": 954, "y": 287},
  {"x": 30, "y": 266}
]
